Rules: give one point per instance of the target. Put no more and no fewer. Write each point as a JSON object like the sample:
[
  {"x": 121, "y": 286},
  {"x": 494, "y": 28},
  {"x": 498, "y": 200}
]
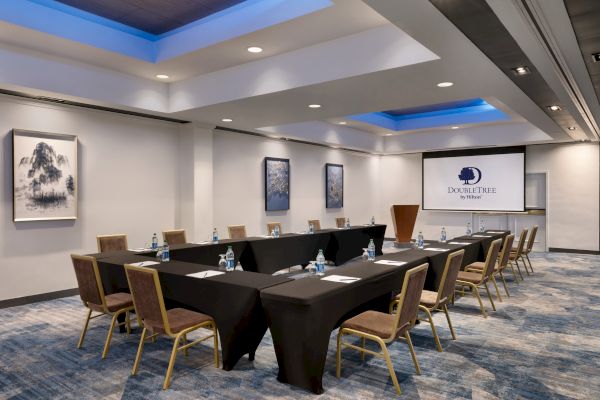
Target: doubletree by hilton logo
[{"x": 469, "y": 174}]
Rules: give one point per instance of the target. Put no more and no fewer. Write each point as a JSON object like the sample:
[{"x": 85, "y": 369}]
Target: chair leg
[
  {"x": 530, "y": 266},
  {"x": 85, "y": 328},
  {"x": 496, "y": 286},
  {"x": 475, "y": 291},
  {"x": 138, "y": 356},
  {"x": 388, "y": 361},
  {"x": 519, "y": 269},
  {"x": 525, "y": 265},
  {"x": 504, "y": 283},
  {"x": 487, "y": 289},
  {"x": 435, "y": 335},
  {"x": 515, "y": 277},
  {"x": 445, "y": 308},
  {"x": 113, "y": 321},
  {"x": 412, "y": 352},
  {"x": 338, "y": 355},
  {"x": 362, "y": 345},
  {"x": 167, "y": 382},
  {"x": 128, "y": 322},
  {"x": 216, "y": 345},
  {"x": 184, "y": 341}
]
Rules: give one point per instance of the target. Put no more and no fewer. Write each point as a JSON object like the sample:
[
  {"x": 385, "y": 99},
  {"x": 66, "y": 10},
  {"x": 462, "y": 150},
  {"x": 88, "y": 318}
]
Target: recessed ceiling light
[
  {"x": 554, "y": 108},
  {"x": 596, "y": 57},
  {"x": 342, "y": 123},
  {"x": 162, "y": 76},
  {"x": 388, "y": 134},
  {"x": 522, "y": 70},
  {"x": 314, "y": 106},
  {"x": 226, "y": 119},
  {"x": 445, "y": 84},
  {"x": 255, "y": 49},
  {"x": 571, "y": 128},
  {"x": 455, "y": 127}
]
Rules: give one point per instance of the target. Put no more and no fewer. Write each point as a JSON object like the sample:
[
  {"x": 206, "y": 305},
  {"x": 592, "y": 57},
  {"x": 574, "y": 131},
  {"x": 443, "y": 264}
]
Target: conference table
[
  {"x": 303, "y": 313},
  {"x": 232, "y": 299}
]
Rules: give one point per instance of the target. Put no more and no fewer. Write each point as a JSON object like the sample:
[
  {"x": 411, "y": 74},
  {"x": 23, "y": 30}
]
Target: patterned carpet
[{"x": 542, "y": 343}]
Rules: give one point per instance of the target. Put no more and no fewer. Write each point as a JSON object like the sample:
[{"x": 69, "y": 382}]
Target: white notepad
[
  {"x": 139, "y": 249},
  {"x": 460, "y": 243},
  {"x": 145, "y": 263},
  {"x": 482, "y": 236},
  {"x": 340, "y": 279},
  {"x": 205, "y": 274},
  {"x": 390, "y": 262},
  {"x": 205, "y": 242},
  {"x": 495, "y": 232},
  {"x": 434, "y": 249}
]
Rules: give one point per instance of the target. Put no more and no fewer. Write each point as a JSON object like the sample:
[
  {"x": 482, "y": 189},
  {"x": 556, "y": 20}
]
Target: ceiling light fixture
[
  {"x": 522, "y": 70},
  {"x": 226, "y": 120},
  {"x": 255, "y": 49},
  {"x": 455, "y": 127},
  {"x": 571, "y": 128},
  {"x": 162, "y": 76},
  {"x": 554, "y": 107},
  {"x": 388, "y": 134},
  {"x": 342, "y": 123},
  {"x": 596, "y": 57},
  {"x": 314, "y": 106},
  {"x": 445, "y": 84}
]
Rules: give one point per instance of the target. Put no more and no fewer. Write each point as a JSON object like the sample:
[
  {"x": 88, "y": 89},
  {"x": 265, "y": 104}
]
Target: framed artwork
[
  {"x": 334, "y": 186},
  {"x": 44, "y": 176},
  {"x": 277, "y": 184}
]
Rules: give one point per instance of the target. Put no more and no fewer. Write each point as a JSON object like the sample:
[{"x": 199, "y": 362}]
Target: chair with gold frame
[
  {"x": 315, "y": 223},
  {"x": 92, "y": 294},
  {"x": 271, "y": 227},
  {"x": 517, "y": 254},
  {"x": 340, "y": 222},
  {"x": 474, "y": 280},
  {"x": 500, "y": 266},
  {"x": 156, "y": 319},
  {"x": 431, "y": 301},
  {"x": 237, "y": 231},
  {"x": 386, "y": 328},
  {"x": 176, "y": 236},
  {"x": 111, "y": 242},
  {"x": 529, "y": 248}
]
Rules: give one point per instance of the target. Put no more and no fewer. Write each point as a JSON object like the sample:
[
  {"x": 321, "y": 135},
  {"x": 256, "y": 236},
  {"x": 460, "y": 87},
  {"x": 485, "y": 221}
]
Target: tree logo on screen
[{"x": 468, "y": 174}]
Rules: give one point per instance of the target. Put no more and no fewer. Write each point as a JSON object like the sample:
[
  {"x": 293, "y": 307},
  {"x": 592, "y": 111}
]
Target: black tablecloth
[
  {"x": 232, "y": 299},
  {"x": 483, "y": 242},
  {"x": 207, "y": 253},
  {"x": 302, "y": 314},
  {"x": 345, "y": 244}
]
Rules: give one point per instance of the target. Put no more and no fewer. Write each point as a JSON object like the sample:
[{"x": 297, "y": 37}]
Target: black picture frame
[
  {"x": 277, "y": 193},
  {"x": 331, "y": 199}
]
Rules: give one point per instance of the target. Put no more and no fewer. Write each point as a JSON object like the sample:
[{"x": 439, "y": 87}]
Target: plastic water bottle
[
  {"x": 482, "y": 226},
  {"x": 371, "y": 250},
  {"x": 420, "y": 241},
  {"x": 215, "y": 235},
  {"x": 373, "y": 220},
  {"x": 311, "y": 228},
  {"x": 347, "y": 223},
  {"x": 165, "y": 252},
  {"x": 320, "y": 263},
  {"x": 469, "y": 232},
  {"x": 276, "y": 231},
  {"x": 230, "y": 258},
  {"x": 443, "y": 235},
  {"x": 154, "y": 242}
]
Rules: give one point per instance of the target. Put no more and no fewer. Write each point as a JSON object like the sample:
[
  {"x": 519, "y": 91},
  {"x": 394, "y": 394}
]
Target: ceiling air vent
[{"x": 596, "y": 57}]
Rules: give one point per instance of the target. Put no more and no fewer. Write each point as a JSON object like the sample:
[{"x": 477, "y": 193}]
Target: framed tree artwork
[
  {"x": 334, "y": 186},
  {"x": 277, "y": 184},
  {"x": 44, "y": 176}
]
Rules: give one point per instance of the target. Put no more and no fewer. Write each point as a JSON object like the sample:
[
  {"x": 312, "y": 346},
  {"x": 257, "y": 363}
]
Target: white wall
[
  {"x": 127, "y": 184},
  {"x": 239, "y": 184}
]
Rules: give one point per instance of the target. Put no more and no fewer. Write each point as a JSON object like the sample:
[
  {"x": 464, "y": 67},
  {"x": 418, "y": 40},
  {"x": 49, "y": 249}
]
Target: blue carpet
[{"x": 542, "y": 343}]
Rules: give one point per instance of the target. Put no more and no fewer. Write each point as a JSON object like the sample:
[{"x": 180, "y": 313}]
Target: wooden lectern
[{"x": 404, "y": 217}]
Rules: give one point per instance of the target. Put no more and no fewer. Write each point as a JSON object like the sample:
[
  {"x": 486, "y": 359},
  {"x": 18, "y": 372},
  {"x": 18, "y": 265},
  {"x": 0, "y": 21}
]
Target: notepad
[
  {"x": 495, "y": 231},
  {"x": 482, "y": 236},
  {"x": 140, "y": 249},
  {"x": 435, "y": 249},
  {"x": 340, "y": 279},
  {"x": 145, "y": 263},
  {"x": 390, "y": 262},
  {"x": 205, "y": 274},
  {"x": 460, "y": 243}
]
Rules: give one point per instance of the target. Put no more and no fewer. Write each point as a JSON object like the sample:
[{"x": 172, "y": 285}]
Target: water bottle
[
  {"x": 482, "y": 226},
  {"x": 154, "y": 242},
  {"x": 320, "y": 263},
  {"x": 215, "y": 235},
  {"x": 371, "y": 250},
  {"x": 347, "y": 223},
  {"x": 420, "y": 241},
  {"x": 373, "y": 220},
  {"x": 469, "y": 232},
  {"x": 165, "y": 252},
  {"x": 230, "y": 258},
  {"x": 443, "y": 235},
  {"x": 311, "y": 228},
  {"x": 276, "y": 231}
]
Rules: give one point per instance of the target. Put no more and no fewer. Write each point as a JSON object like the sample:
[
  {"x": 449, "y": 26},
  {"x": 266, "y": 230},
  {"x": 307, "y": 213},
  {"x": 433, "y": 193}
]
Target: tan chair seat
[
  {"x": 512, "y": 256},
  {"x": 114, "y": 302},
  {"x": 375, "y": 323},
  {"x": 471, "y": 277},
  {"x": 479, "y": 266},
  {"x": 179, "y": 319},
  {"x": 428, "y": 298}
]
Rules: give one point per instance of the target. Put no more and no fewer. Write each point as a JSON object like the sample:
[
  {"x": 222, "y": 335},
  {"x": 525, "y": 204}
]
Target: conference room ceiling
[{"x": 153, "y": 16}]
